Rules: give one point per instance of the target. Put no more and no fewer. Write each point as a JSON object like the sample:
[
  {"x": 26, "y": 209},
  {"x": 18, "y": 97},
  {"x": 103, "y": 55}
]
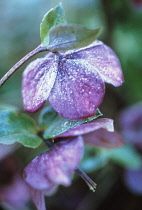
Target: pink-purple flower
[
  {"x": 56, "y": 166},
  {"x": 13, "y": 190},
  {"x": 131, "y": 124},
  {"x": 131, "y": 129},
  {"x": 72, "y": 81}
]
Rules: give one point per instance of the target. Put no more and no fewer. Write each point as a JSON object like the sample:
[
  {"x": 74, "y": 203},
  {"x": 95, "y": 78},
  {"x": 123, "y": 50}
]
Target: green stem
[{"x": 21, "y": 62}]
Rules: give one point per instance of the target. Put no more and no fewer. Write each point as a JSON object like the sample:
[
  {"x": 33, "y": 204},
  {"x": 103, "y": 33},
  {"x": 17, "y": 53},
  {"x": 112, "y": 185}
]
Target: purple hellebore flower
[
  {"x": 72, "y": 81},
  {"x": 131, "y": 129},
  {"x": 52, "y": 168},
  {"x": 99, "y": 133},
  {"x": 13, "y": 190},
  {"x": 131, "y": 124},
  {"x": 57, "y": 165},
  {"x": 133, "y": 180}
]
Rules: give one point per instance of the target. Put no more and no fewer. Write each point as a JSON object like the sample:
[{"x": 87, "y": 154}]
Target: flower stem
[
  {"x": 21, "y": 62},
  {"x": 92, "y": 185},
  {"x": 48, "y": 143}
]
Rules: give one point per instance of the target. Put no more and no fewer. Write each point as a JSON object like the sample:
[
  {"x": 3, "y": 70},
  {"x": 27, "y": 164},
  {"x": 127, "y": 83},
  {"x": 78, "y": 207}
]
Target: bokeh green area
[{"x": 121, "y": 22}]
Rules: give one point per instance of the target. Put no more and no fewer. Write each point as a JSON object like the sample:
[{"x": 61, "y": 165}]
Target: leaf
[
  {"x": 125, "y": 156},
  {"x": 66, "y": 37},
  {"x": 15, "y": 127},
  {"x": 54, "y": 124},
  {"x": 26, "y": 139},
  {"x": 54, "y": 17}
]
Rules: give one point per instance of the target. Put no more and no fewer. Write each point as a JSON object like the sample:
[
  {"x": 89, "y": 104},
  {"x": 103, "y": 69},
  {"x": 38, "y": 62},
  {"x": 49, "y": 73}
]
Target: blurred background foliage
[{"x": 121, "y": 21}]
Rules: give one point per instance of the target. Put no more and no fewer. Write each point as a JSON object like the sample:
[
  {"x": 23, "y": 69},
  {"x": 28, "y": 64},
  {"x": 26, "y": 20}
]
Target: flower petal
[
  {"x": 38, "y": 198},
  {"x": 38, "y": 80},
  {"x": 55, "y": 166},
  {"x": 15, "y": 193},
  {"x": 133, "y": 179},
  {"x": 103, "y": 59},
  {"x": 77, "y": 92},
  {"x": 131, "y": 124},
  {"x": 89, "y": 127},
  {"x": 104, "y": 138}
]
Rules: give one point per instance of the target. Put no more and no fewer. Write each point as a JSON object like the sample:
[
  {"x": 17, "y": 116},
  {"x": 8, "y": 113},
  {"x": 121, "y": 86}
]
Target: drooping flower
[
  {"x": 57, "y": 165},
  {"x": 52, "y": 168},
  {"x": 72, "y": 81},
  {"x": 131, "y": 129}
]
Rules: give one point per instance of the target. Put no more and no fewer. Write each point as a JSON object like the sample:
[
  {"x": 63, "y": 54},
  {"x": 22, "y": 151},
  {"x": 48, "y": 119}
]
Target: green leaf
[
  {"x": 54, "y": 17},
  {"x": 54, "y": 124},
  {"x": 125, "y": 156},
  {"x": 66, "y": 37},
  {"x": 26, "y": 139},
  {"x": 15, "y": 127}
]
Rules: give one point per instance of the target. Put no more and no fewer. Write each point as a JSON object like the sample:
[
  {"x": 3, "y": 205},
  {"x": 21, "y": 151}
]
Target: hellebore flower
[
  {"x": 72, "y": 81},
  {"x": 133, "y": 180},
  {"x": 52, "y": 168},
  {"x": 13, "y": 190},
  {"x": 57, "y": 165},
  {"x": 131, "y": 129},
  {"x": 131, "y": 124}
]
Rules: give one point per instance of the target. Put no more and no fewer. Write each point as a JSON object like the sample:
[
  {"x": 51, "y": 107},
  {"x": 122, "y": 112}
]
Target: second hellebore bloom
[
  {"x": 56, "y": 166},
  {"x": 72, "y": 81}
]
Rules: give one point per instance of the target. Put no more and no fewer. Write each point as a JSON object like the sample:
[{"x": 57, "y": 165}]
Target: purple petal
[
  {"x": 77, "y": 92},
  {"x": 133, "y": 179},
  {"x": 55, "y": 166},
  {"x": 103, "y": 60},
  {"x": 104, "y": 138},
  {"x": 16, "y": 193},
  {"x": 38, "y": 199},
  {"x": 89, "y": 127},
  {"x": 38, "y": 80},
  {"x": 131, "y": 124}
]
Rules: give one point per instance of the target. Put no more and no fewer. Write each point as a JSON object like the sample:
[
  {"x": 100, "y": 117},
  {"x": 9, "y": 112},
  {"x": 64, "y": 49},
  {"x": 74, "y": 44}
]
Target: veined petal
[
  {"x": 55, "y": 166},
  {"x": 77, "y": 92},
  {"x": 103, "y": 59},
  {"x": 38, "y": 80},
  {"x": 89, "y": 127},
  {"x": 104, "y": 138}
]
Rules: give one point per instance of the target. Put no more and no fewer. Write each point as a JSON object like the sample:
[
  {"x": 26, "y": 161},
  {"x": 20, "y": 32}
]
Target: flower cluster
[{"x": 72, "y": 81}]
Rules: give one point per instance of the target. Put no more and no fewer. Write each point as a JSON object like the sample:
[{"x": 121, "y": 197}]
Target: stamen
[{"x": 92, "y": 185}]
